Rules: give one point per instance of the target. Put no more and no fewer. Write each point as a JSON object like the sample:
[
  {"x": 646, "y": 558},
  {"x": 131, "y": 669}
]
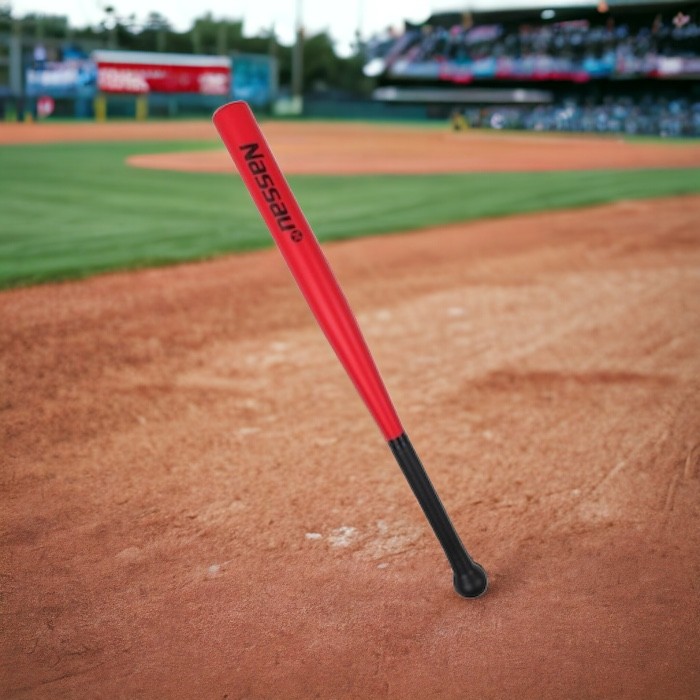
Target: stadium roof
[
  {"x": 517, "y": 10},
  {"x": 492, "y": 5}
]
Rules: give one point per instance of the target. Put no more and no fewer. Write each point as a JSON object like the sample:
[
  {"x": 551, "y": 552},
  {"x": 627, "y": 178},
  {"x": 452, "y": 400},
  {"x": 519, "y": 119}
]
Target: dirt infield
[
  {"x": 341, "y": 149},
  {"x": 347, "y": 148},
  {"x": 66, "y": 132},
  {"x": 196, "y": 504}
]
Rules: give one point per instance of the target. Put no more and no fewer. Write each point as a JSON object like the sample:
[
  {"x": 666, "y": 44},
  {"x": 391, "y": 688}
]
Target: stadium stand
[{"x": 632, "y": 68}]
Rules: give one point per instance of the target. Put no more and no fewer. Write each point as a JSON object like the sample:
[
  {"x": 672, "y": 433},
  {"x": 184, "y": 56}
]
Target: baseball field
[{"x": 195, "y": 502}]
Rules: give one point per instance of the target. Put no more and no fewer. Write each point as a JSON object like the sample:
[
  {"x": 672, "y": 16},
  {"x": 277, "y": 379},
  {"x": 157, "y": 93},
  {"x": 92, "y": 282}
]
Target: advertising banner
[
  {"x": 254, "y": 79},
  {"x": 62, "y": 78},
  {"x": 146, "y": 72}
]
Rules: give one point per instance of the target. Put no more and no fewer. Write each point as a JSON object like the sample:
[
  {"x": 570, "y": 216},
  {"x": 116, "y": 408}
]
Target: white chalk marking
[{"x": 343, "y": 536}]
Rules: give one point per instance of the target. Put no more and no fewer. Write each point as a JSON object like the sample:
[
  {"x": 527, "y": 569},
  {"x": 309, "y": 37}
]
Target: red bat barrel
[{"x": 298, "y": 244}]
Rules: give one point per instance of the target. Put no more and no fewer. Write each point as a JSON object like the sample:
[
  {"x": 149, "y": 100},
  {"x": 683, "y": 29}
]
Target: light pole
[{"x": 298, "y": 57}]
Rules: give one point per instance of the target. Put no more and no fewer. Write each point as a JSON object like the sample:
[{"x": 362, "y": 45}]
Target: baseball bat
[{"x": 296, "y": 241}]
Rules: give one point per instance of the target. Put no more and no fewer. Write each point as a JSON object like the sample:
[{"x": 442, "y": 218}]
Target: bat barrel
[{"x": 299, "y": 247}]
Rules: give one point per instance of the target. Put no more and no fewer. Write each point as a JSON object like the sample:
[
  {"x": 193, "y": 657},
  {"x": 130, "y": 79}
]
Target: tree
[
  {"x": 320, "y": 62},
  {"x": 5, "y": 17},
  {"x": 216, "y": 36}
]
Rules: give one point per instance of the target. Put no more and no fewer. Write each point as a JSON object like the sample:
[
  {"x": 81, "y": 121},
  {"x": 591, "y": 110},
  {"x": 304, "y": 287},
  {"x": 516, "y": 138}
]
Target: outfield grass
[{"x": 72, "y": 210}]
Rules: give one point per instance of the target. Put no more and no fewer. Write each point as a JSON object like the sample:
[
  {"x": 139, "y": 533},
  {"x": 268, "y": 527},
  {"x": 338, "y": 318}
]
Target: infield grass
[{"x": 72, "y": 210}]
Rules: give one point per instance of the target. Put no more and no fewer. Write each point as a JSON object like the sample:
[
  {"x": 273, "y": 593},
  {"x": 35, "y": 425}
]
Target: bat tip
[{"x": 228, "y": 108}]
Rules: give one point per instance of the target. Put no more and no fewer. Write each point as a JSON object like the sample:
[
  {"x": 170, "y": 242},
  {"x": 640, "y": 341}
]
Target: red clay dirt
[
  {"x": 67, "y": 132},
  {"x": 333, "y": 149},
  {"x": 348, "y": 148},
  {"x": 197, "y": 505}
]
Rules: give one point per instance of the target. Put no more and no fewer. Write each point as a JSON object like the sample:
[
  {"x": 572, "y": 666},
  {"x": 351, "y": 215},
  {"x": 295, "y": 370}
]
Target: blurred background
[{"x": 620, "y": 67}]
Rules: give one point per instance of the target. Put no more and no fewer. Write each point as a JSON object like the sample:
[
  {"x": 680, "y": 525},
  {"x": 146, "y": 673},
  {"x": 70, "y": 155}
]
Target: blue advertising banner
[
  {"x": 70, "y": 78},
  {"x": 254, "y": 79}
]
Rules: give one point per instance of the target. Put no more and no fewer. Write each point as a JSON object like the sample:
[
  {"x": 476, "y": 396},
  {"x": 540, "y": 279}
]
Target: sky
[{"x": 340, "y": 18}]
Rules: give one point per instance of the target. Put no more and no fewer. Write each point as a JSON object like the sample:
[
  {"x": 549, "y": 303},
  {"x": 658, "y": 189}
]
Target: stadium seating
[{"x": 634, "y": 72}]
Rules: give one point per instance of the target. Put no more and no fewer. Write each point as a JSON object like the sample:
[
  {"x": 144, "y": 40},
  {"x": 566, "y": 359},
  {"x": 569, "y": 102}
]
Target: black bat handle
[{"x": 470, "y": 580}]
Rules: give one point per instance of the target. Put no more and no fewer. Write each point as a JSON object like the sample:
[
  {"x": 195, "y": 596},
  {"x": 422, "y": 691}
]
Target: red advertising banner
[{"x": 144, "y": 72}]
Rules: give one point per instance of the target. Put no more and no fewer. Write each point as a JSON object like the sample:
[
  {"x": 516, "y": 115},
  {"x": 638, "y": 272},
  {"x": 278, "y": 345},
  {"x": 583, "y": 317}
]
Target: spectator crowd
[
  {"x": 622, "y": 115},
  {"x": 623, "y": 59},
  {"x": 568, "y": 50}
]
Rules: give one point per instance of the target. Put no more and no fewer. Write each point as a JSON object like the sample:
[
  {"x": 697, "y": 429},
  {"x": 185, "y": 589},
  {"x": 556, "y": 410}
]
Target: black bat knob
[{"x": 471, "y": 583}]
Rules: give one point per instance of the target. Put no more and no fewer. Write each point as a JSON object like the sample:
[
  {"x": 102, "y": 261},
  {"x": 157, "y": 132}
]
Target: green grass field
[{"x": 72, "y": 210}]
